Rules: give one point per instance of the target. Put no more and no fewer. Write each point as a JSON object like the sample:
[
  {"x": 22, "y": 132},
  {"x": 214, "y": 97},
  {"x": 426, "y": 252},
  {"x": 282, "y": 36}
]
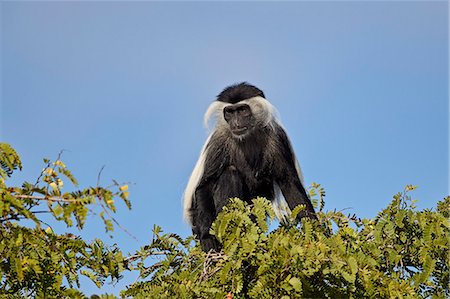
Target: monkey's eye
[
  {"x": 244, "y": 110},
  {"x": 227, "y": 113}
]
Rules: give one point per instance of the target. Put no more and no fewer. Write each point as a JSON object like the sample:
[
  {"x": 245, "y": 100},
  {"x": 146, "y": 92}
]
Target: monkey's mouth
[{"x": 239, "y": 131}]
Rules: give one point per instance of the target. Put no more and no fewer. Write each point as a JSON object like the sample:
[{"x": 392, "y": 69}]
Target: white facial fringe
[{"x": 261, "y": 108}]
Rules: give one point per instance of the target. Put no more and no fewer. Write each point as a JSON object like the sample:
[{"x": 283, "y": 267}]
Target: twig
[
  {"x": 13, "y": 217},
  {"x": 48, "y": 225},
  {"x": 100, "y": 198},
  {"x": 99, "y": 175},
  {"x": 48, "y": 166},
  {"x": 211, "y": 257},
  {"x": 47, "y": 198},
  {"x": 137, "y": 256},
  {"x": 150, "y": 269},
  {"x": 349, "y": 208}
]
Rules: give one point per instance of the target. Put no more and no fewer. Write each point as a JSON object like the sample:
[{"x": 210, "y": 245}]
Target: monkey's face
[{"x": 239, "y": 118}]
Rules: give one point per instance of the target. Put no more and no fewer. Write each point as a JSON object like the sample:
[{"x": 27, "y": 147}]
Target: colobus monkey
[{"x": 248, "y": 154}]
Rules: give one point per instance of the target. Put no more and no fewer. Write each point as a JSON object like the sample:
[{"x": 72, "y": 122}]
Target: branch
[
  {"x": 210, "y": 259},
  {"x": 100, "y": 199},
  {"x": 12, "y": 217},
  {"x": 132, "y": 258},
  {"x": 47, "y": 198}
]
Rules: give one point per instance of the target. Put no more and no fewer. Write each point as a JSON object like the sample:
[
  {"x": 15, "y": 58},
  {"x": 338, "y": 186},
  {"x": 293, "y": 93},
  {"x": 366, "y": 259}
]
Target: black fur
[
  {"x": 245, "y": 168},
  {"x": 239, "y": 92}
]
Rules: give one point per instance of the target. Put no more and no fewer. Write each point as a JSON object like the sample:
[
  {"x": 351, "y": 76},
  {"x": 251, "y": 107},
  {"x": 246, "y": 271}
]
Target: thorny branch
[
  {"x": 211, "y": 258},
  {"x": 100, "y": 198}
]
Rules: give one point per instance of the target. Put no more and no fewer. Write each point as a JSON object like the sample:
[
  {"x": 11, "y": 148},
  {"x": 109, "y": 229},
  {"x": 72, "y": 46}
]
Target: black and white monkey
[{"x": 247, "y": 155}]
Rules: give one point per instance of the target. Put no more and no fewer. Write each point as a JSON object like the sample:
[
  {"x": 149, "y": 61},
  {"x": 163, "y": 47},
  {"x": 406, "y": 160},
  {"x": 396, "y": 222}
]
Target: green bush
[
  {"x": 37, "y": 262},
  {"x": 402, "y": 253}
]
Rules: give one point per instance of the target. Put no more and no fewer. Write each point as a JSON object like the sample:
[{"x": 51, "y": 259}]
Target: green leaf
[{"x": 296, "y": 283}]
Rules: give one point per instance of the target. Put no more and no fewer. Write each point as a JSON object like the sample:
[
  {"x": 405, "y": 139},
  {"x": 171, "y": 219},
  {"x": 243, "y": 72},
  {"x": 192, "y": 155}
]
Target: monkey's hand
[{"x": 210, "y": 243}]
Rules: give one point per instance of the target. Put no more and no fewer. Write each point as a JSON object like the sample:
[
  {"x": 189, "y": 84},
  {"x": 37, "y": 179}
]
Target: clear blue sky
[{"x": 362, "y": 89}]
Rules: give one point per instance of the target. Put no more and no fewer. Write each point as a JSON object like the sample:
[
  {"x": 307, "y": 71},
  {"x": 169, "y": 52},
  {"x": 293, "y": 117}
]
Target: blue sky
[{"x": 361, "y": 87}]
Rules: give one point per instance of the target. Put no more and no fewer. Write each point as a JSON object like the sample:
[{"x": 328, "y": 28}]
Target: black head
[
  {"x": 239, "y": 92},
  {"x": 240, "y": 115}
]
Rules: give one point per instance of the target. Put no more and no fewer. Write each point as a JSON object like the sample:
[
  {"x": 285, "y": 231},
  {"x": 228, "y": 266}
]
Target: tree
[
  {"x": 401, "y": 253},
  {"x": 35, "y": 261}
]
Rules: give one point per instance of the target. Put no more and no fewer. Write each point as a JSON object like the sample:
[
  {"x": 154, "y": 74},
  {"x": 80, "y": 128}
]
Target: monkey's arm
[
  {"x": 295, "y": 194},
  {"x": 204, "y": 209},
  {"x": 287, "y": 177}
]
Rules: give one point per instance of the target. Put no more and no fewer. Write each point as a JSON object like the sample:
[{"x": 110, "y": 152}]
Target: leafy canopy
[
  {"x": 401, "y": 253},
  {"x": 37, "y": 262}
]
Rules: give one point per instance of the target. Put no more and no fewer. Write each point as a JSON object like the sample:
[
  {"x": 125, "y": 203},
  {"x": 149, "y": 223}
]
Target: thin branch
[
  {"x": 21, "y": 217},
  {"x": 142, "y": 256},
  {"x": 40, "y": 212},
  {"x": 41, "y": 174},
  {"x": 149, "y": 270},
  {"x": 116, "y": 222},
  {"x": 13, "y": 217},
  {"x": 99, "y": 174},
  {"x": 210, "y": 259},
  {"x": 47, "y": 198},
  {"x": 348, "y": 208},
  {"x": 45, "y": 223},
  {"x": 58, "y": 158},
  {"x": 100, "y": 199}
]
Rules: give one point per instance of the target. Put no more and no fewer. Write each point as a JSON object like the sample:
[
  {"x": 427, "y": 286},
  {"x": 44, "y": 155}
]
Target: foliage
[
  {"x": 35, "y": 261},
  {"x": 402, "y": 253}
]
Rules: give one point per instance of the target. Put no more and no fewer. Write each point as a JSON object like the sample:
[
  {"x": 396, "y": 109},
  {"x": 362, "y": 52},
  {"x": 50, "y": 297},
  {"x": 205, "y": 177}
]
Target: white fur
[
  {"x": 215, "y": 112},
  {"x": 299, "y": 171},
  {"x": 279, "y": 204},
  {"x": 263, "y": 110},
  {"x": 194, "y": 179}
]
